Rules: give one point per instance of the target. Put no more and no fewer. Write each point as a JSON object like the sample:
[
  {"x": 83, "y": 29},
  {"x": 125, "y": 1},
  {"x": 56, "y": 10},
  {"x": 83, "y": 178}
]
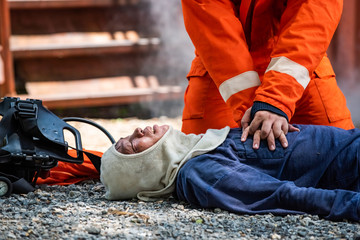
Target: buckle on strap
[{"x": 26, "y": 109}]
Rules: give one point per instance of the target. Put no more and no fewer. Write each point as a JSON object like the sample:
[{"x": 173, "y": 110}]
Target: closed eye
[
  {"x": 127, "y": 148},
  {"x": 132, "y": 146}
]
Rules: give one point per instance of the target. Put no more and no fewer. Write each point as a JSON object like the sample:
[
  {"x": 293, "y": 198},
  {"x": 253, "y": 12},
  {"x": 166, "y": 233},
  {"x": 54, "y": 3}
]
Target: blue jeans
[{"x": 317, "y": 174}]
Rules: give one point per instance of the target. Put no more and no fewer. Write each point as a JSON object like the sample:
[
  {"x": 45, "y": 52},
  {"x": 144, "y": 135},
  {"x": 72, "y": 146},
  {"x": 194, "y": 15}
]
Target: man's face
[{"x": 141, "y": 139}]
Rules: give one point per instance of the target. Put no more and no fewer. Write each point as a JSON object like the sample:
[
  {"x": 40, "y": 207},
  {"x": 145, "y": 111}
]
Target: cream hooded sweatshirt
[{"x": 151, "y": 174}]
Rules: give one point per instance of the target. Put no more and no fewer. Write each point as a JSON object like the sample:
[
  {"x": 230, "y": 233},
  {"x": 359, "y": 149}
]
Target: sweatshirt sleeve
[
  {"x": 219, "y": 39},
  {"x": 306, "y": 29}
]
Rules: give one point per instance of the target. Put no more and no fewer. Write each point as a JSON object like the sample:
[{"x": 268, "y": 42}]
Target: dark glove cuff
[{"x": 262, "y": 106}]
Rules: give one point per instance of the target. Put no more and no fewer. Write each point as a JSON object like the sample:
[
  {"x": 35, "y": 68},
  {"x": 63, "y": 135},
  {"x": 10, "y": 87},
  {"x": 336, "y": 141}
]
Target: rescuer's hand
[{"x": 266, "y": 125}]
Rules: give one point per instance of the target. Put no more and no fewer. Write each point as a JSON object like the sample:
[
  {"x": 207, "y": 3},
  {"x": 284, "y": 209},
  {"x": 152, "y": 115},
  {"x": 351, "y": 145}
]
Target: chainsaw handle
[{"x": 77, "y": 136}]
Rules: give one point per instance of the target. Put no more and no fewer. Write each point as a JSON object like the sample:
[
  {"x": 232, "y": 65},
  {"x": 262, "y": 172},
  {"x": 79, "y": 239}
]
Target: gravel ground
[{"x": 80, "y": 211}]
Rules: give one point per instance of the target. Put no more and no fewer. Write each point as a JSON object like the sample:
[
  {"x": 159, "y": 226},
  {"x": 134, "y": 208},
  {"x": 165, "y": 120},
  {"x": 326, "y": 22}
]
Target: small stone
[
  {"x": 93, "y": 230},
  {"x": 175, "y": 234},
  {"x": 217, "y": 210},
  {"x": 11, "y": 236},
  {"x": 31, "y": 195},
  {"x": 199, "y": 221},
  {"x": 302, "y": 233},
  {"x": 275, "y": 236},
  {"x": 74, "y": 194}
]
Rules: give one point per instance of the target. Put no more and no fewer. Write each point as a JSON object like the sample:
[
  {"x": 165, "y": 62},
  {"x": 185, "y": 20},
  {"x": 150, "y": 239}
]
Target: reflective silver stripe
[
  {"x": 239, "y": 83},
  {"x": 287, "y": 66}
]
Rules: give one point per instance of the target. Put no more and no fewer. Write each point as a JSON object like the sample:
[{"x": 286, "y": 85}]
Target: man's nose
[{"x": 138, "y": 132}]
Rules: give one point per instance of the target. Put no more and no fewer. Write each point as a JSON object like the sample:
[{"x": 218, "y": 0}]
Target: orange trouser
[
  {"x": 322, "y": 103},
  {"x": 69, "y": 173}
]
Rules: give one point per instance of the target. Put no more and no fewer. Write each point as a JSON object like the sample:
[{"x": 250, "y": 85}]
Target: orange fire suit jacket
[{"x": 261, "y": 51}]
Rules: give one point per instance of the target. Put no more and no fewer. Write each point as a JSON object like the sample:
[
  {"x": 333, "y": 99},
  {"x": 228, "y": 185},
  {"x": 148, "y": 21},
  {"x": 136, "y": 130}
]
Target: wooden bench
[
  {"x": 75, "y": 44},
  {"x": 68, "y": 55},
  {"x": 101, "y": 92}
]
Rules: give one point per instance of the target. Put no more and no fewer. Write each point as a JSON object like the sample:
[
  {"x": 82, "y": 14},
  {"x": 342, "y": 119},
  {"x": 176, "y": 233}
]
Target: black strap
[
  {"x": 95, "y": 159},
  {"x": 6, "y": 123},
  {"x": 22, "y": 186},
  {"x": 5, "y": 127}
]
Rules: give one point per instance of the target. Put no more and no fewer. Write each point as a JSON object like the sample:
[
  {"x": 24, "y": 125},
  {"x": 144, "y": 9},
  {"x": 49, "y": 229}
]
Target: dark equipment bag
[{"x": 32, "y": 142}]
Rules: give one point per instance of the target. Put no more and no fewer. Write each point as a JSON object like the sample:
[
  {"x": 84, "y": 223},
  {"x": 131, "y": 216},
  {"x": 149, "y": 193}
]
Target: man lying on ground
[{"x": 317, "y": 174}]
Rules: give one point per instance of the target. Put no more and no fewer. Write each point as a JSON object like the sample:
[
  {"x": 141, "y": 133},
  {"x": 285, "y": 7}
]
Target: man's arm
[
  {"x": 219, "y": 39},
  {"x": 306, "y": 29}
]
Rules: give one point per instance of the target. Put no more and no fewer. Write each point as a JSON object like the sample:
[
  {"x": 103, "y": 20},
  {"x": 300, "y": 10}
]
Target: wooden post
[
  {"x": 8, "y": 86},
  {"x": 346, "y": 49}
]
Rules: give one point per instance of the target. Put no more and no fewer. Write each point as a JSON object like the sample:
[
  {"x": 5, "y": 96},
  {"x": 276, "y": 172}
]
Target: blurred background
[{"x": 122, "y": 58}]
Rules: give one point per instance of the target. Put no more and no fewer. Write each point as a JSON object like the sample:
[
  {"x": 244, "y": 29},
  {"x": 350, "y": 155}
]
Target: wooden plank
[
  {"x": 82, "y": 67},
  {"x": 67, "y": 101},
  {"x": 80, "y": 86},
  {"x": 8, "y": 87},
  {"x": 111, "y": 19},
  {"x": 99, "y": 92},
  {"x": 77, "y": 44},
  {"x": 39, "y": 4}
]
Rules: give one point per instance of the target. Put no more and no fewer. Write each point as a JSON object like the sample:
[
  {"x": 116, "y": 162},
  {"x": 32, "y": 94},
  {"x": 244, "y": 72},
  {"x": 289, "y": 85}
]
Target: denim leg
[
  {"x": 237, "y": 178},
  {"x": 317, "y": 156},
  {"x": 323, "y": 157},
  {"x": 207, "y": 181}
]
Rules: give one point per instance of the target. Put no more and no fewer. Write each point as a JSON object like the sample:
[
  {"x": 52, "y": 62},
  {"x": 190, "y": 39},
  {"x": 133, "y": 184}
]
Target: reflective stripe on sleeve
[
  {"x": 287, "y": 66},
  {"x": 239, "y": 83}
]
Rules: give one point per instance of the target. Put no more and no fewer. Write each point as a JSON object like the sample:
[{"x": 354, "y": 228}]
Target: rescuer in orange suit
[{"x": 262, "y": 63}]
